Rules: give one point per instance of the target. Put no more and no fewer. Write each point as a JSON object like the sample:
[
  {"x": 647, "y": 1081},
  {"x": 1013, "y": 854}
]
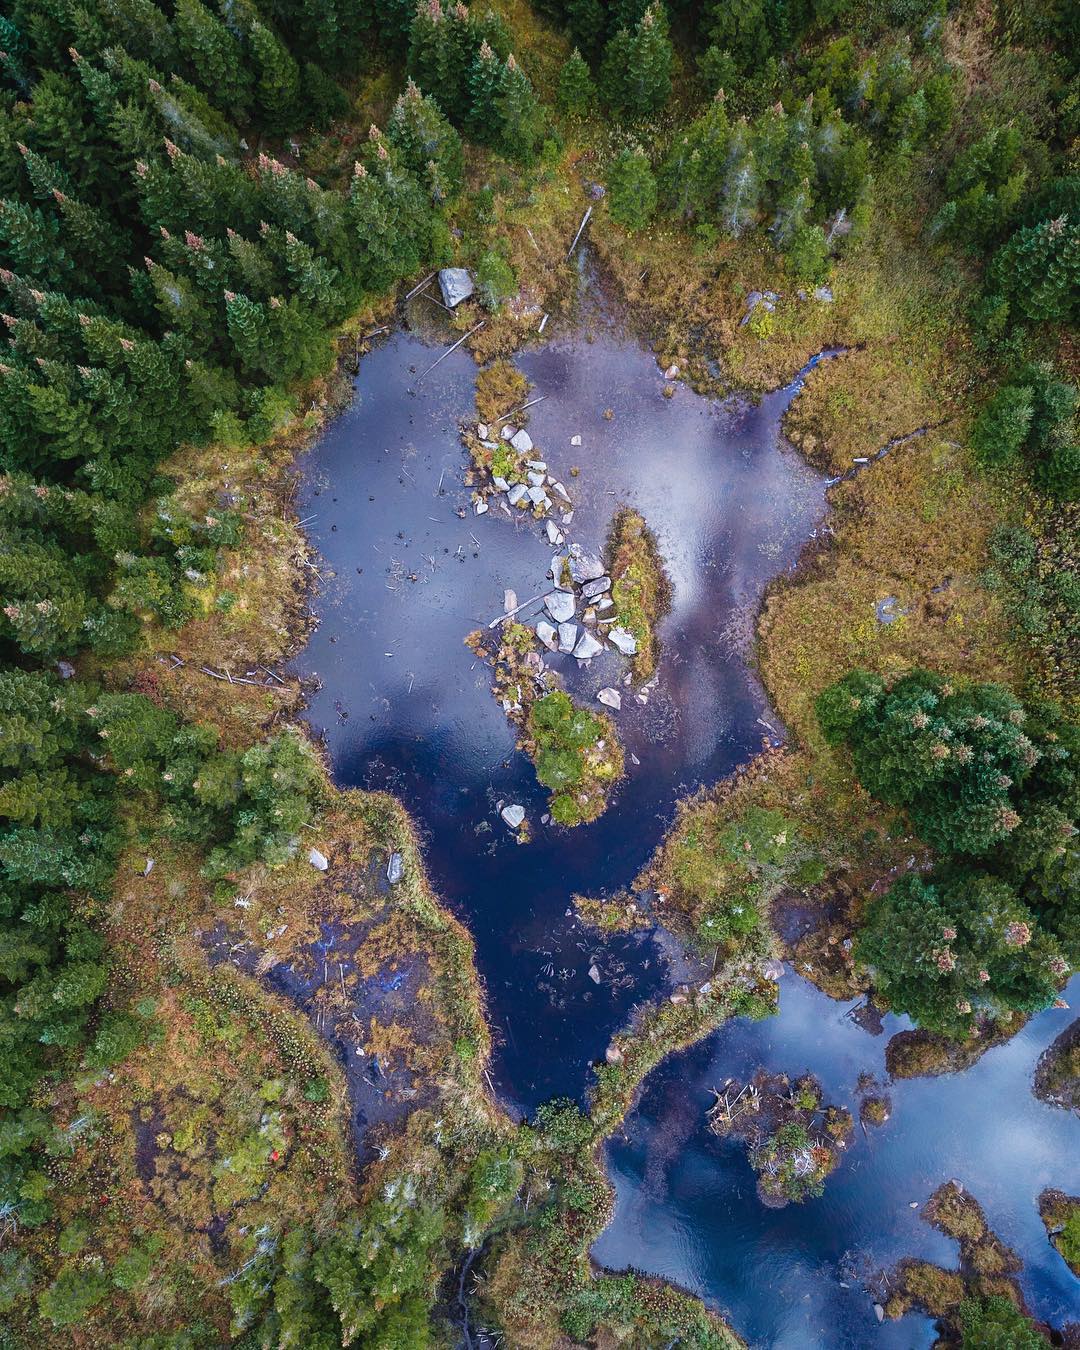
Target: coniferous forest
[{"x": 207, "y": 212}]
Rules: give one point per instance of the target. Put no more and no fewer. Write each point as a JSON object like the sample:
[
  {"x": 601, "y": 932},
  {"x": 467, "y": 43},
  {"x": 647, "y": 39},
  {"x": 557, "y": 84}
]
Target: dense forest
[{"x": 202, "y": 207}]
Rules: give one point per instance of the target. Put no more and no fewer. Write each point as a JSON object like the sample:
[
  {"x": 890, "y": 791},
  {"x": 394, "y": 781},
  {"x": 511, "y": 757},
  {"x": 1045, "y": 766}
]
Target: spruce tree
[
  {"x": 521, "y": 119},
  {"x": 425, "y": 138},
  {"x": 1038, "y": 271},
  {"x": 632, "y": 189},
  {"x": 214, "y": 56},
  {"x": 636, "y": 70},
  {"x": 577, "y": 92},
  {"x": 277, "y": 86}
]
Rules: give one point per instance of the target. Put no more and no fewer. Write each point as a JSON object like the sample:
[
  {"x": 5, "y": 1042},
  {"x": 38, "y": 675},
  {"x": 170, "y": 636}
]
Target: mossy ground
[
  {"x": 1057, "y": 1075},
  {"x": 639, "y": 585},
  {"x": 1060, "y": 1214},
  {"x": 987, "y": 1266}
]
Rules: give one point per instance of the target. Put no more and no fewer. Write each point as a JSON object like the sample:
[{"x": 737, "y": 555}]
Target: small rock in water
[
  {"x": 594, "y": 975},
  {"x": 773, "y": 970},
  {"x": 560, "y": 491},
  {"x": 567, "y": 517},
  {"x": 587, "y": 647},
  {"x": 522, "y": 442},
  {"x": 516, "y": 494},
  {"x": 513, "y": 815},
  {"x": 546, "y": 633},
  {"x": 554, "y": 534},
  {"x": 624, "y": 641},
  {"x": 395, "y": 869},
  {"x": 481, "y": 507},
  {"x": 318, "y": 860},
  {"x": 592, "y": 589},
  {"x": 545, "y": 819},
  {"x": 536, "y": 495},
  {"x": 634, "y": 759},
  {"x": 567, "y": 636},
  {"x": 560, "y": 605},
  {"x": 482, "y": 431},
  {"x": 456, "y": 285},
  {"x": 509, "y": 600},
  {"x": 879, "y": 1312},
  {"x": 575, "y": 440},
  {"x": 610, "y": 698},
  {"x": 671, "y": 372}
]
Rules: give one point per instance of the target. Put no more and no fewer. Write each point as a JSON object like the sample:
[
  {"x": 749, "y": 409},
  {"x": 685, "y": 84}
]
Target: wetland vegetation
[{"x": 250, "y": 1092}]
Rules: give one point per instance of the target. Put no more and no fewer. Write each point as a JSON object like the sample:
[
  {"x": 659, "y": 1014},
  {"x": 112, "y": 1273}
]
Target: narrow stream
[{"x": 403, "y": 705}]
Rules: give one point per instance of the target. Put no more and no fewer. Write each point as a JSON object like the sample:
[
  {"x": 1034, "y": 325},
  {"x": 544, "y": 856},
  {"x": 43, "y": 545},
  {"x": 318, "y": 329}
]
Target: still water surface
[{"x": 403, "y": 705}]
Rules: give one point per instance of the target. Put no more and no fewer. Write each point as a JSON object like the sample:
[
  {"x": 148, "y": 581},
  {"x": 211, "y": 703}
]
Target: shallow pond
[
  {"x": 686, "y": 1204},
  {"x": 404, "y": 705}
]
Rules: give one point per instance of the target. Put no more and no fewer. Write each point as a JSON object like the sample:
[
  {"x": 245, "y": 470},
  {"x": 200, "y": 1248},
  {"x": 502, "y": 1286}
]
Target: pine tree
[
  {"x": 427, "y": 49},
  {"x": 587, "y": 23},
  {"x": 1002, "y": 427},
  {"x": 944, "y": 950},
  {"x": 741, "y": 190},
  {"x": 693, "y": 174},
  {"x": 740, "y": 27},
  {"x": 248, "y": 330},
  {"x": 577, "y": 92},
  {"x": 315, "y": 282},
  {"x": 954, "y": 759},
  {"x": 30, "y": 244},
  {"x": 632, "y": 189}
]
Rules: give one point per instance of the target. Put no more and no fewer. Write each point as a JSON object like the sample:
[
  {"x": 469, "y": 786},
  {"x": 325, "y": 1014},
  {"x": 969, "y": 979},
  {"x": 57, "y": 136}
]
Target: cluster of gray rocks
[
  {"x": 581, "y": 582},
  {"x": 540, "y": 492}
]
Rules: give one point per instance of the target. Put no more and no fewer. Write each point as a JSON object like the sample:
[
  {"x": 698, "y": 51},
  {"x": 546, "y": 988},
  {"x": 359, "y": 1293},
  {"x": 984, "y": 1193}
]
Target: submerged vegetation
[{"x": 202, "y": 209}]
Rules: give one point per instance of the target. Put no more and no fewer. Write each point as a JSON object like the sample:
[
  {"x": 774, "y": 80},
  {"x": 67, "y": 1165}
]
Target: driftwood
[
  {"x": 520, "y": 408},
  {"x": 584, "y": 221},
  {"x": 448, "y": 351},
  {"x": 509, "y": 614},
  {"x": 417, "y": 289}
]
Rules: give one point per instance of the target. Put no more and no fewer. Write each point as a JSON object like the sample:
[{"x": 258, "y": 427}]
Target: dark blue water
[
  {"x": 686, "y": 1204},
  {"x": 406, "y": 706}
]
